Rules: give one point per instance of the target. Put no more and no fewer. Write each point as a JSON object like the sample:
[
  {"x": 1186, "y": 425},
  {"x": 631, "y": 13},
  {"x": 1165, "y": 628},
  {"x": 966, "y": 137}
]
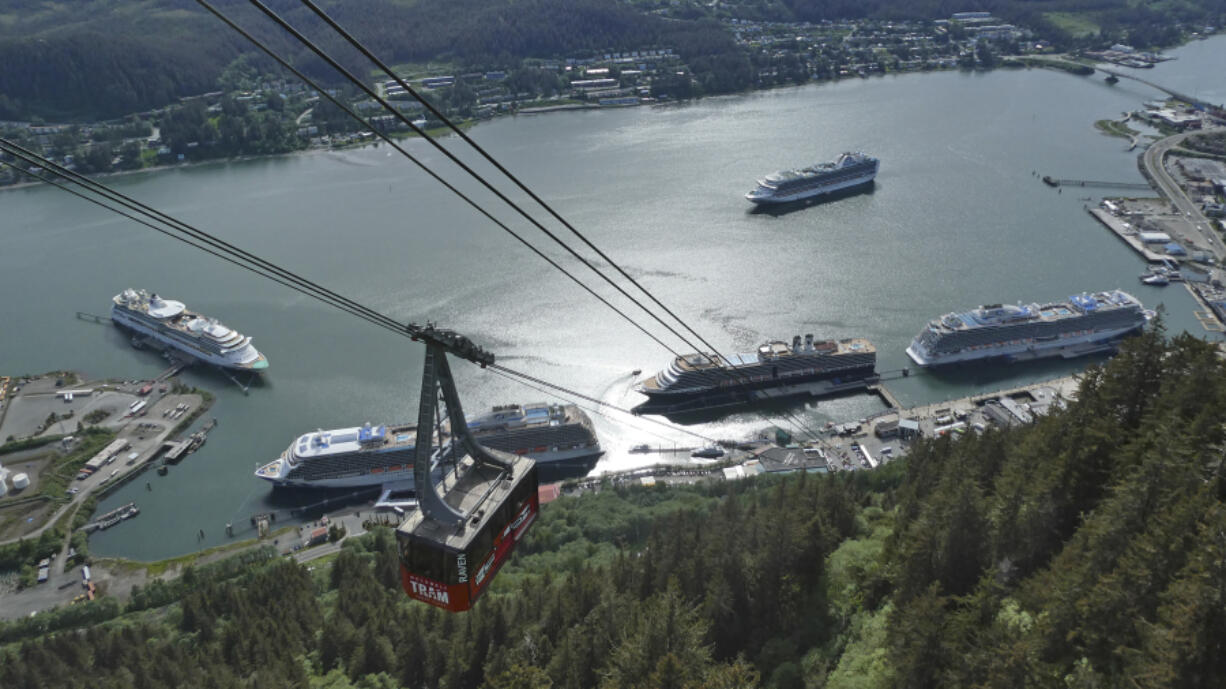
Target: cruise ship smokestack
[
  {"x": 808, "y": 342},
  {"x": 796, "y": 343}
]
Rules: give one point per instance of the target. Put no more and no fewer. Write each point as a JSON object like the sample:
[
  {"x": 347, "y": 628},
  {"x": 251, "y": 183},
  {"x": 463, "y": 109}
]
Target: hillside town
[{"x": 253, "y": 113}]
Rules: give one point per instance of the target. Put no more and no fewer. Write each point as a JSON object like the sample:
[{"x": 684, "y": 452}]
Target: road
[
  {"x": 144, "y": 441},
  {"x": 1153, "y": 160}
]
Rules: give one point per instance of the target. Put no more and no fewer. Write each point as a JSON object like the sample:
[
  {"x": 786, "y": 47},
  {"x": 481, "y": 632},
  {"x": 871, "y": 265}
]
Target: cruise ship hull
[
  {"x": 558, "y": 460},
  {"x": 1066, "y": 347},
  {"x": 683, "y": 405},
  {"x": 122, "y": 319},
  {"x": 842, "y": 188},
  {"x": 358, "y": 480}
]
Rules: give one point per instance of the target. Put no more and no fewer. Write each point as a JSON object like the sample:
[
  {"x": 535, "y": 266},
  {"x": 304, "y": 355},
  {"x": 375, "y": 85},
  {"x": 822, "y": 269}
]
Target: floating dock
[
  {"x": 113, "y": 517},
  {"x": 177, "y": 450}
]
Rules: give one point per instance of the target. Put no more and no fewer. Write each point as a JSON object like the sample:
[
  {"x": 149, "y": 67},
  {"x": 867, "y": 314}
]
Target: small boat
[
  {"x": 1112, "y": 79},
  {"x": 709, "y": 452},
  {"x": 640, "y": 449},
  {"x": 1155, "y": 279}
]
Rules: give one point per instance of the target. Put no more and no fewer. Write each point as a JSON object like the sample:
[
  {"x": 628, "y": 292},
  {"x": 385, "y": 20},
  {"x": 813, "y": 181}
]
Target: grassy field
[
  {"x": 1075, "y": 23},
  {"x": 1113, "y": 128},
  {"x": 15, "y": 519}
]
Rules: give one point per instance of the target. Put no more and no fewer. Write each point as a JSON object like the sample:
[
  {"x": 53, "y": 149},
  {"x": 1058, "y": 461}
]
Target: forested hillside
[
  {"x": 112, "y": 57},
  {"x": 1088, "y": 550},
  {"x": 107, "y": 58}
]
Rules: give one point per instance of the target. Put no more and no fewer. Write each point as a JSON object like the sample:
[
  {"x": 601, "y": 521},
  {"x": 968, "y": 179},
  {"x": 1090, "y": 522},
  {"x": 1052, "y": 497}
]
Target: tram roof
[{"x": 465, "y": 495}]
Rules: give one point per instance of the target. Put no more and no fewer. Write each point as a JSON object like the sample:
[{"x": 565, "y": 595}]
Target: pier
[
  {"x": 1095, "y": 183},
  {"x": 93, "y": 318},
  {"x": 177, "y": 450},
  {"x": 886, "y": 396},
  {"x": 1127, "y": 234},
  {"x": 1208, "y": 318},
  {"x": 176, "y": 366}
]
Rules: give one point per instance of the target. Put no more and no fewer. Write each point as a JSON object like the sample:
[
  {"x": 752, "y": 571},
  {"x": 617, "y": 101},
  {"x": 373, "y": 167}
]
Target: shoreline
[
  {"x": 1007, "y": 63},
  {"x": 165, "y": 168},
  {"x": 467, "y": 124},
  {"x": 434, "y": 133}
]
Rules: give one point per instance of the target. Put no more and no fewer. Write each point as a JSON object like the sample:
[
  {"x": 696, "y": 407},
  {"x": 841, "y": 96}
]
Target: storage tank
[{"x": 20, "y": 481}]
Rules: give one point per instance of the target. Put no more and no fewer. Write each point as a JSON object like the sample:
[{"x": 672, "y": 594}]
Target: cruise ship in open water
[
  {"x": 1084, "y": 324},
  {"x": 848, "y": 171},
  {"x": 169, "y": 323},
  {"x": 694, "y": 382},
  {"x": 552, "y": 434}
]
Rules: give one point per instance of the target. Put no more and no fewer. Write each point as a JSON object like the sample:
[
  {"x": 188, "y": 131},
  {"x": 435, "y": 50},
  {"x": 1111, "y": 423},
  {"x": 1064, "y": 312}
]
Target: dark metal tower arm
[{"x": 451, "y": 341}]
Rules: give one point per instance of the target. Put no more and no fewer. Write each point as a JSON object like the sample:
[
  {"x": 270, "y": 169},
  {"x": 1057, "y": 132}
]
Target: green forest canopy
[
  {"x": 106, "y": 58},
  {"x": 1085, "y": 550}
]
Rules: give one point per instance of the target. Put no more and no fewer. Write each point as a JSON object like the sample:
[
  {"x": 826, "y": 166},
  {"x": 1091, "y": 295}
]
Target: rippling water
[{"x": 957, "y": 218}]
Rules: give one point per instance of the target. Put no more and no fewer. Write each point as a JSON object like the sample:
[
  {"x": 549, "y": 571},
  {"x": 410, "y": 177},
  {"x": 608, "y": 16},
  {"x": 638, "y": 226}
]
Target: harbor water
[{"x": 958, "y": 217}]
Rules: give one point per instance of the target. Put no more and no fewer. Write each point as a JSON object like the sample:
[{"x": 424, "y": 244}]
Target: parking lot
[
  {"x": 871, "y": 442},
  {"x": 142, "y": 435}
]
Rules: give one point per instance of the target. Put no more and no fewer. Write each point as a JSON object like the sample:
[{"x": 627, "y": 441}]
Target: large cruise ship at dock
[
  {"x": 848, "y": 171},
  {"x": 1083, "y": 324},
  {"x": 552, "y": 434},
  {"x": 808, "y": 367},
  {"x": 169, "y": 323}
]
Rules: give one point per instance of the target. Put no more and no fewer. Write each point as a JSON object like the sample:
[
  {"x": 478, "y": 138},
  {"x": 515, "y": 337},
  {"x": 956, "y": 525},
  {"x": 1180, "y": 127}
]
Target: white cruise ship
[
  {"x": 848, "y": 171},
  {"x": 809, "y": 367},
  {"x": 1084, "y": 324},
  {"x": 201, "y": 338},
  {"x": 552, "y": 434}
]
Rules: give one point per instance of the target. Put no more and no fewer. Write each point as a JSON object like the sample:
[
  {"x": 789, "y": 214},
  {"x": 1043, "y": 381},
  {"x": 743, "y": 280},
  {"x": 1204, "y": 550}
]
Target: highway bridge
[{"x": 1171, "y": 92}]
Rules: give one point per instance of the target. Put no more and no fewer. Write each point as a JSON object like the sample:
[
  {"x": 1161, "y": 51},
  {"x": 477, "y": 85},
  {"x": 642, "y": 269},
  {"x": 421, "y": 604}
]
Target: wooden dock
[{"x": 886, "y": 396}]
